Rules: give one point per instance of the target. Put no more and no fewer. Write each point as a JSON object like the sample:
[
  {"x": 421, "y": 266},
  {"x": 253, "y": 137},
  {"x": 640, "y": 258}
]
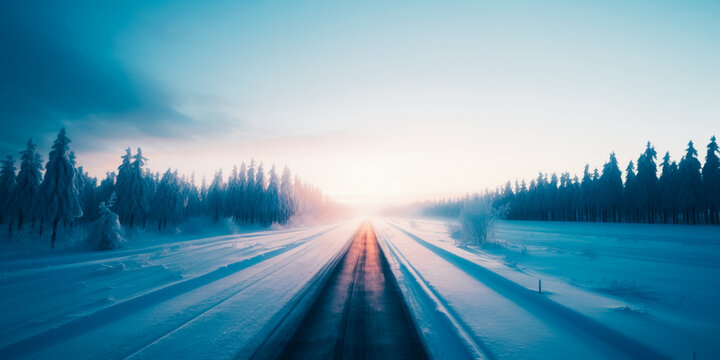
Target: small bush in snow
[
  {"x": 105, "y": 231},
  {"x": 477, "y": 219}
]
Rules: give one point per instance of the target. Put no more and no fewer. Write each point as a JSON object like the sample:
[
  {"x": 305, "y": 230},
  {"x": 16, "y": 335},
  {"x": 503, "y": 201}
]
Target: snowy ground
[
  {"x": 215, "y": 297},
  {"x": 609, "y": 290}
]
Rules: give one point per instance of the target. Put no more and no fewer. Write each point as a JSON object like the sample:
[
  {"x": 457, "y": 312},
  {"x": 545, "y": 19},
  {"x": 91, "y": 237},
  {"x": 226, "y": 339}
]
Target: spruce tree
[
  {"x": 260, "y": 186},
  {"x": 612, "y": 189},
  {"x": 286, "y": 196},
  {"x": 668, "y": 187},
  {"x": 123, "y": 189},
  {"x": 551, "y": 197},
  {"x": 272, "y": 197},
  {"x": 646, "y": 189},
  {"x": 191, "y": 196},
  {"x": 563, "y": 200},
  {"x": 61, "y": 202},
  {"x": 586, "y": 193},
  {"x": 141, "y": 191},
  {"x": 232, "y": 195},
  {"x": 629, "y": 194},
  {"x": 203, "y": 189},
  {"x": 7, "y": 186},
  {"x": 596, "y": 195},
  {"x": 25, "y": 195},
  {"x": 106, "y": 188},
  {"x": 167, "y": 200},
  {"x": 88, "y": 195},
  {"x": 690, "y": 192},
  {"x": 242, "y": 191},
  {"x": 78, "y": 180},
  {"x": 576, "y": 197},
  {"x": 215, "y": 196},
  {"x": 252, "y": 193},
  {"x": 711, "y": 182}
]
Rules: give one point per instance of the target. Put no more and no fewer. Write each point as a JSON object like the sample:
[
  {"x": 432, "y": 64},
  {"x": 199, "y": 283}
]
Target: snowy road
[
  {"x": 394, "y": 289},
  {"x": 359, "y": 314}
]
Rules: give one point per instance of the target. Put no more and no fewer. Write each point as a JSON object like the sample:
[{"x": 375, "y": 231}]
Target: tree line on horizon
[
  {"x": 687, "y": 192},
  {"x": 65, "y": 195}
]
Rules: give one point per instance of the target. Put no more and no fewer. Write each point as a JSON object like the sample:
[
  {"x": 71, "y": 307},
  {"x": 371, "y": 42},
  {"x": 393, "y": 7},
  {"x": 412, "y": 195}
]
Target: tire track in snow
[
  {"x": 115, "y": 312},
  {"x": 283, "y": 329},
  {"x": 93, "y": 295},
  {"x": 476, "y": 347},
  {"x": 302, "y": 252},
  {"x": 46, "y": 262},
  {"x": 540, "y": 305},
  {"x": 24, "y": 286},
  {"x": 64, "y": 312}
]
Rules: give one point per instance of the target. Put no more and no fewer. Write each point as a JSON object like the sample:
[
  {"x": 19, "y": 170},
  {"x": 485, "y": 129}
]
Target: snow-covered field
[
  {"x": 217, "y": 297},
  {"x": 609, "y": 290}
]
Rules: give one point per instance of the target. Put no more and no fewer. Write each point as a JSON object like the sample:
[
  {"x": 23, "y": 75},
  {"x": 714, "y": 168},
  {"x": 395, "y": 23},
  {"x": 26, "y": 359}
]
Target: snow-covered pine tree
[
  {"x": 7, "y": 185},
  {"x": 203, "y": 189},
  {"x": 550, "y": 197},
  {"x": 123, "y": 189},
  {"x": 690, "y": 192},
  {"x": 272, "y": 198},
  {"x": 25, "y": 195},
  {"x": 167, "y": 201},
  {"x": 286, "y": 196},
  {"x": 299, "y": 205},
  {"x": 251, "y": 195},
  {"x": 242, "y": 193},
  {"x": 215, "y": 196},
  {"x": 132, "y": 189},
  {"x": 88, "y": 195},
  {"x": 612, "y": 189},
  {"x": 629, "y": 192},
  {"x": 668, "y": 188},
  {"x": 711, "y": 182},
  {"x": 191, "y": 197},
  {"x": 152, "y": 181},
  {"x": 244, "y": 200},
  {"x": 646, "y": 191},
  {"x": 232, "y": 200},
  {"x": 78, "y": 181},
  {"x": 506, "y": 195},
  {"x": 576, "y": 194},
  {"x": 596, "y": 194},
  {"x": 60, "y": 197},
  {"x": 140, "y": 188},
  {"x": 586, "y": 193},
  {"x": 564, "y": 197},
  {"x": 259, "y": 192},
  {"x": 106, "y": 188}
]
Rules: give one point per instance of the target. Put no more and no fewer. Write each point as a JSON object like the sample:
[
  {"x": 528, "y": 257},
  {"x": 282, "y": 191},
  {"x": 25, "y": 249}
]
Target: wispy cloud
[{"x": 55, "y": 75}]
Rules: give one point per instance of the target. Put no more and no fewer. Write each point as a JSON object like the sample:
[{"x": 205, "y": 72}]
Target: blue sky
[{"x": 373, "y": 100}]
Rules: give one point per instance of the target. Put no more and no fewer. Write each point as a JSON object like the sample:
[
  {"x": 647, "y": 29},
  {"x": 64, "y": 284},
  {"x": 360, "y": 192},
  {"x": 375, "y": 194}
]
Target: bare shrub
[{"x": 477, "y": 219}]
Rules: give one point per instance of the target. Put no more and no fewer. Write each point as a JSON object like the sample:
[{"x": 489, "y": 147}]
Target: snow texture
[
  {"x": 608, "y": 290},
  {"x": 213, "y": 298},
  {"x": 619, "y": 291}
]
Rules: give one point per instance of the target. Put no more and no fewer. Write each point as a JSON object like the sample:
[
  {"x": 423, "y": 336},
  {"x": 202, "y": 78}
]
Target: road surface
[{"x": 360, "y": 313}]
